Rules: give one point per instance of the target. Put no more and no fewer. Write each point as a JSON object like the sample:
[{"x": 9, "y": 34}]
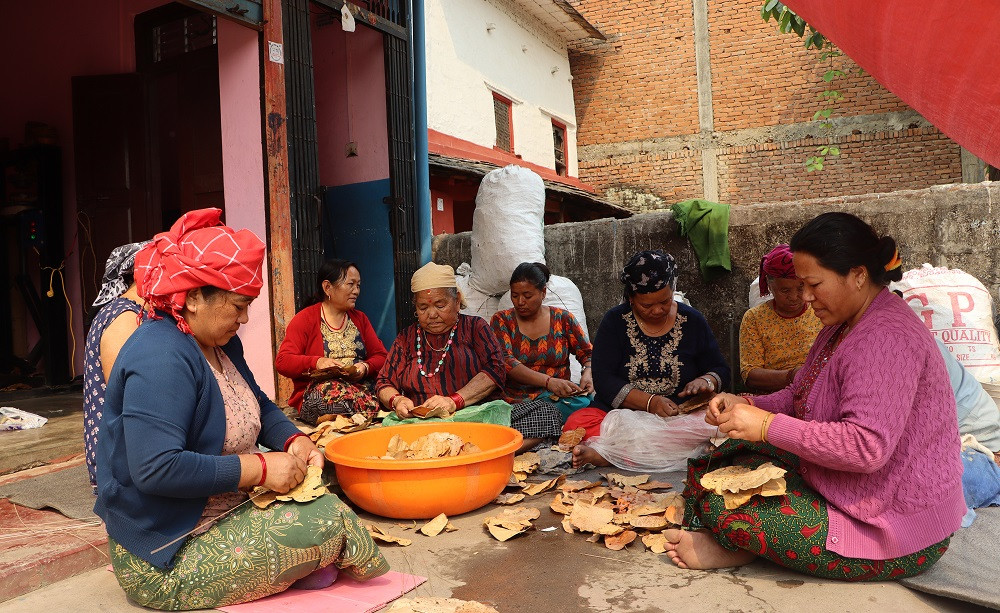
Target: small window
[
  {"x": 184, "y": 35},
  {"x": 559, "y": 147},
  {"x": 505, "y": 123}
]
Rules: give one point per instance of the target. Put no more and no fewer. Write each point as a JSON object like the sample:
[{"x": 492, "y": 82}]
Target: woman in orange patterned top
[
  {"x": 537, "y": 344},
  {"x": 776, "y": 335}
]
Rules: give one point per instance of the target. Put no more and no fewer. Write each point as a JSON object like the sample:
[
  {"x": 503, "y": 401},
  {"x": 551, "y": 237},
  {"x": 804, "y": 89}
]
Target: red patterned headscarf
[
  {"x": 777, "y": 264},
  {"x": 197, "y": 250}
]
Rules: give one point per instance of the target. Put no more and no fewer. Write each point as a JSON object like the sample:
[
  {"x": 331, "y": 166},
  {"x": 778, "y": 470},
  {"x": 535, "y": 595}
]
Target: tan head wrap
[{"x": 432, "y": 276}]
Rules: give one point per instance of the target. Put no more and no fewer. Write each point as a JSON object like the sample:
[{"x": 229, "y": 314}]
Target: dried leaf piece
[
  {"x": 618, "y": 542},
  {"x": 397, "y": 448},
  {"x": 567, "y": 525},
  {"x": 571, "y": 438},
  {"x": 589, "y": 518},
  {"x": 654, "y": 485},
  {"x": 740, "y": 478},
  {"x": 450, "y": 527},
  {"x": 468, "y": 448},
  {"x": 428, "y": 412},
  {"x": 577, "y": 486},
  {"x": 509, "y": 498},
  {"x": 559, "y": 505},
  {"x": 311, "y": 488},
  {"x": 382, "y": 536},
  {"x": 262, "y": 497},
  {"x": 657, "y": 543},
  {"x": 506, "y": 530},
  {"x": 737, "y": 499},
  {"x": 532, "y": 489},
  {"x": 527, "y": 462},
  {"x": 597, "y": 493},
  {"x": 774, "y": 487},
  {"x": 519, "y": 476},
  {"x": 649, "y": 522},
  {"x": 698, "y": 402},
  {"x": 522, "y": 514},
  {"x": 435, "y": 526},
  {"x": 675, "y": 514},
  {"x": 626, "y": 480},
  {"x": 593, "y": 538}
]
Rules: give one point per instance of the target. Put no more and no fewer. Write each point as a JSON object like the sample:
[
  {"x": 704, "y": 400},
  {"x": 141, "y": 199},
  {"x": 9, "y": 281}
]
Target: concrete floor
[
  {"x": 60, "y": 437},
  {"x": 555, "y": 571}
]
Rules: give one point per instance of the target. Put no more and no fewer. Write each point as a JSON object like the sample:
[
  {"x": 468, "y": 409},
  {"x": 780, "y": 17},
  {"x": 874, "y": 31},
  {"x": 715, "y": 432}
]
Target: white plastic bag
[
  {"x": 564, "y": 294},
  {"x": 476, "y": 303},
  {"x": 16, "y": 419},
  {"x": 507, "y": 227},
  {"x": 643, "y": 442},
  {"x": 754, "y": 298},
  {"x": 958, "y": 309}
]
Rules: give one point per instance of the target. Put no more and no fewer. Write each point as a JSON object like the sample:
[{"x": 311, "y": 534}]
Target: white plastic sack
[
  {"x": 16, "y": 419},
  {"x": 643, "y": 442},
  {"x": 476, "y": 303},
  {"x": 958, "y": 310},
  {"x": 754, "y": 298},
  {"x": 507, "y": 227},
  {"x": 563, "y": 293}
]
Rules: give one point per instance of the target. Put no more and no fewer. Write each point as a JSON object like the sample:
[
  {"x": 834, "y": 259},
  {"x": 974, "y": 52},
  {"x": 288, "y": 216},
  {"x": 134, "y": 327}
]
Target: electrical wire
[{"x": 51, "y": 293}]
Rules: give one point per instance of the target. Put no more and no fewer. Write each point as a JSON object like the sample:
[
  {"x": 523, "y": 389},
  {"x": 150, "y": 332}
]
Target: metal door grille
[{"x": 303, "y": 153}]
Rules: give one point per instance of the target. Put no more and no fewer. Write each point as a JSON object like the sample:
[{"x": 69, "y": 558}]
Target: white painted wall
[{"x": 515, "y": 58}]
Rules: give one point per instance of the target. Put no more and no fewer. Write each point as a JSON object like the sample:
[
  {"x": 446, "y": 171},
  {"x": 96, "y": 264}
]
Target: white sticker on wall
[
  {"x": 346, "y": 19},
  {"x": 275, "y": 52},
  {"x": 440, "y": 204}
]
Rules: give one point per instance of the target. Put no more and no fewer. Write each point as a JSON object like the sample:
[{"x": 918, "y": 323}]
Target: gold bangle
[
  {"x": 764, "y": 425},
  {"x": 648, "y": 401}
]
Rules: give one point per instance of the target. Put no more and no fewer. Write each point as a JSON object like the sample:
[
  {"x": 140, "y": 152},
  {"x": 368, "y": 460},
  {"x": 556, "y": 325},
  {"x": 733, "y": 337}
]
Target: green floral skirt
[
  {"x": 252, "y": 553},
  {"x": 789, "y": 530}
]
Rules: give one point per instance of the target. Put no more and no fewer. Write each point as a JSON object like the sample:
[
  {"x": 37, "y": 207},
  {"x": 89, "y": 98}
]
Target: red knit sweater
[{"x": 303, "y": 347}]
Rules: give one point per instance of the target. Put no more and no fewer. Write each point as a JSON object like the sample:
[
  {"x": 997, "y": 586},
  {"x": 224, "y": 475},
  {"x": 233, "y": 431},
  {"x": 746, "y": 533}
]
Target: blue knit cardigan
[{"x": 161, "y": 436}]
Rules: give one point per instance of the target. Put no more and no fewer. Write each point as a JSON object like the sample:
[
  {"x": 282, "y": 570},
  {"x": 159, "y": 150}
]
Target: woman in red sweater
[{"x": 332, "y": 333}]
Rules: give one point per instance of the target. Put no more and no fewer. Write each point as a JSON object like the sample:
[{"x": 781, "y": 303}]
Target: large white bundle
[
  {"x": 643, "y": 442},
  {"x": 958, "y": 309},
  {"x": 563, "y": 293},
  {"x": 754, "y": 298},
  {"x": 507, "y": 227},
  {"x": 476, "y": 303}
]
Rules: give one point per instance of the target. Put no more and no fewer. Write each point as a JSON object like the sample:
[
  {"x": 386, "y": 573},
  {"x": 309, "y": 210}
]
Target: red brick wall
[
  {"x": 880, "y": 162},
  {"x": 641, "y": 84}
]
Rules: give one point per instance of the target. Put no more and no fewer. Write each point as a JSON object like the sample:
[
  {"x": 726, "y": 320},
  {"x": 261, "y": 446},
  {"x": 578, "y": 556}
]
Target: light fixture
[{"x": 491, "y": 26}]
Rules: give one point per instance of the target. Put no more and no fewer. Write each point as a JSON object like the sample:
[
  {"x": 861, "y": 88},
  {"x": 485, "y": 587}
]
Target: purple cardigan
[{"x": 881, "y": 445}]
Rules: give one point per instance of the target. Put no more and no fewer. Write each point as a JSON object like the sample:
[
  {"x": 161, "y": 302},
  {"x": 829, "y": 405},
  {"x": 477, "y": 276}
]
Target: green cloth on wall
[{"x": 706, "y": 225}]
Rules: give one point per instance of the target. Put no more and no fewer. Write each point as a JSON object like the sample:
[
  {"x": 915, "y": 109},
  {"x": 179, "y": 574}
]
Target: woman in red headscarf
[
  {"x": 178, "y": 448},
  {"x": 776, "y": 335}
]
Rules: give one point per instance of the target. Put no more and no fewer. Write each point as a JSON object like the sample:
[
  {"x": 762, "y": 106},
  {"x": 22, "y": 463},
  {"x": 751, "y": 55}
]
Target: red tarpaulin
[{"x": 938, "y": 57}]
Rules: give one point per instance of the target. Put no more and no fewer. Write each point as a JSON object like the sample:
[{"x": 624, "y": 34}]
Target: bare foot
[
  {"x": 699, "y": 550},
  {"x": 582, "y": 454}
]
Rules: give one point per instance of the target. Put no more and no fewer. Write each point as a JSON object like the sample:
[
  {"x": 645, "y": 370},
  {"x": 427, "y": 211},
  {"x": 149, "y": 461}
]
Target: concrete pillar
[
  {"x": 706, "y": 117},
  {"x": 973, "y": 168}
]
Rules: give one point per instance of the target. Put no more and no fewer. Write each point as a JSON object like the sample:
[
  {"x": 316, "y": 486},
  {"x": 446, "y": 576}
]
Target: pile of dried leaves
[
  {"x": 311, "y": 488},
  {"x": 737, "y": 484},
  {"x": 433, "y": 445},
  {"x": 432, "y": 528},
  {"x": 332, "y": 426}
]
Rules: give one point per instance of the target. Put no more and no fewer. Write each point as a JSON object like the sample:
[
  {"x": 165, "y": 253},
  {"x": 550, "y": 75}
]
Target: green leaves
[
  {"x": 790, "y": 22},
  {"x": 814, "y": 163},
  {"x": 832, "y": 74},
  {"x": 822, "y": 114}
]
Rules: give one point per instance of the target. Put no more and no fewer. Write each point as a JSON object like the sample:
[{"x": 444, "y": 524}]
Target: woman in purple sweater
[{"x": 866, "y": 431}]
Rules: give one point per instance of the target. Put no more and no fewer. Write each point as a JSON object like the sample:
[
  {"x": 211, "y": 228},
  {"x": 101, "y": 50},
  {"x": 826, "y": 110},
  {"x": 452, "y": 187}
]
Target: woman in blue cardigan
[{"x": 178, "y": 447}]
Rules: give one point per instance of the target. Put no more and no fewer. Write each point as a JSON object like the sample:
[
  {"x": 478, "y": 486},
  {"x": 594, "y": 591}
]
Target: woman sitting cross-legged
[
  {"x": 332, "y": 333},
  {"x": 866, "y": 432},
  {"x": 538, "y": 342},
  {"x": 776, "y": 336},
  {"x": 178, "y": 448},
  {"x": 650, "y": 353},
  {"x": 445, "y": 361}
]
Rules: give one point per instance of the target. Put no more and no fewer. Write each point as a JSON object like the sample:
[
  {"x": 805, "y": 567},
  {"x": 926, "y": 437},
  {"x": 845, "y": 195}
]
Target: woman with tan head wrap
[
  {"x": 445, "y": 361},
  {"x": 178, "y": 447}
]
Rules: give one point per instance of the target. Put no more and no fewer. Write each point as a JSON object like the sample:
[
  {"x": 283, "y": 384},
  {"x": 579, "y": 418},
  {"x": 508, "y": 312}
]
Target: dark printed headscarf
[
  {"x": 777, "y": 264},
  {"x": 649, "y": 271},
  {"x": 120, "y": 262}
]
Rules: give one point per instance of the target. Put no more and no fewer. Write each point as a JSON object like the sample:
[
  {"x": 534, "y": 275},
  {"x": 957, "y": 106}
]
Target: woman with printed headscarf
[
  {"x": 775, "y": 336},
  {"x": 179, "y": 445},
  {"x": 113, "y": 318},
  {"x": 650, "y": 353}
]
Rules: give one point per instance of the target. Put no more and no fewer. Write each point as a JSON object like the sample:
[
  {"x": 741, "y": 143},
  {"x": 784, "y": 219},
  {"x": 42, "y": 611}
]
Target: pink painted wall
[
  {"x": 43, "y": 44},
  {"x": 243, "y": 174},
  {"x": 349, "y": 69}
]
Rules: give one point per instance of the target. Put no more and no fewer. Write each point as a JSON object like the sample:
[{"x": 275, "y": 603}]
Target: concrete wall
[
  {"x": 466, "y": 64},
  {"x": 951, "y": 225}
]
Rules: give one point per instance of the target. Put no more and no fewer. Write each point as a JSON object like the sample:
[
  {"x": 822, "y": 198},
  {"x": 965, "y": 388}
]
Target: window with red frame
[
  {"x": 560, "y": 147},
  {"x": 504, "y": 119}
]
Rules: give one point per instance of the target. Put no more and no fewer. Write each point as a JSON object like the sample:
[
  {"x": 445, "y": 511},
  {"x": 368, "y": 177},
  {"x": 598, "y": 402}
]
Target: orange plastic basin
[{"x": 419, "y": 489}]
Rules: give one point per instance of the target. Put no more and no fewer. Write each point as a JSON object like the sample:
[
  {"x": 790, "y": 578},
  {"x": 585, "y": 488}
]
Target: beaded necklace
[{"x": 444, "y": 354}]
